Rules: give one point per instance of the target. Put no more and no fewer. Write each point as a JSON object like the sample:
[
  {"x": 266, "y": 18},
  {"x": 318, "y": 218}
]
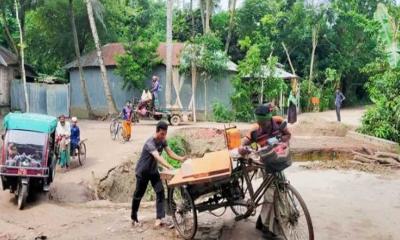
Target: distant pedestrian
[
  {"x": 292, "y": 108},
  {"x": 338, "y": 103}
]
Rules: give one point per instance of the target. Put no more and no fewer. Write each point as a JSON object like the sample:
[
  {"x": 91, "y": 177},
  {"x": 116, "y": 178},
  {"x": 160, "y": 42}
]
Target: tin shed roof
[
  {"x": 109, "y": 51},
  {"x": 7, "y": 57}
]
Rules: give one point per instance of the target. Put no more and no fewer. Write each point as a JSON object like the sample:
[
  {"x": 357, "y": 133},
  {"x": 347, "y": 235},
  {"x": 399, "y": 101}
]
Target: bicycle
[
  {"x": 116, "y": 129},
  {"x": 80, "y": 152}
]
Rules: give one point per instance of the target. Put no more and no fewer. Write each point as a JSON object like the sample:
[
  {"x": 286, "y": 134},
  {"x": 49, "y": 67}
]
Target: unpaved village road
[{"x": 343, "y": 204}]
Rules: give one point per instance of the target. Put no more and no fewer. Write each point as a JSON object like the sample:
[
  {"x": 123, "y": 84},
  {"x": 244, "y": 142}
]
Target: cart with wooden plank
[{"x": 187, "y": 186}]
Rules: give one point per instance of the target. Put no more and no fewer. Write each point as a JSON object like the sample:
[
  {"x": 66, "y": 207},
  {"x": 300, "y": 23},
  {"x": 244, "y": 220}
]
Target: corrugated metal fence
[{"x": 43, "y": 98}]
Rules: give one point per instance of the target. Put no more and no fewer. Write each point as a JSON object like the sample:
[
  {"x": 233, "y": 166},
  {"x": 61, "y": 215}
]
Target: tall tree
[
  {"x": 232, "y": 10},
  {"x": 78, "y": 60},
  {"x": 110, "y": 101},
  {"x": 314, "y": 47},
  {"x": 22, "y": 46},
  {"x": 192, "y": 19},
  {"x": 208, "y": 15},
  {"x": 170, "y": 5}
]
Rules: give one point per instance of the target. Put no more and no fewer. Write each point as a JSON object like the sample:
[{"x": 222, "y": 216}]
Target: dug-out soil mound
[
  {"x": 202, "y": 140},
  {"x": 119, "y": 183}
]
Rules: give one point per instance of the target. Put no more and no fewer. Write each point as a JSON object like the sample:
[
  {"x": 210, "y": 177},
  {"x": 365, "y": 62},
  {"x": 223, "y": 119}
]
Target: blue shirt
[
  {"x": 75, "y": 135},
  {"x": 127, "y": 113}
]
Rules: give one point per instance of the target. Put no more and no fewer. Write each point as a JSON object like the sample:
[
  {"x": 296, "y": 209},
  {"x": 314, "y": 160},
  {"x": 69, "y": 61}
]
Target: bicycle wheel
[
  {"x": 245, "y": 192},
  {"x": 241, "y": 209},
  {"x": 294, "y": 220},
  {"x": 119, "y": 135},
  {"x": 113, "y": 126},
  {"x": 183, "y": 212},
  {"x": 82, "y": 153}
]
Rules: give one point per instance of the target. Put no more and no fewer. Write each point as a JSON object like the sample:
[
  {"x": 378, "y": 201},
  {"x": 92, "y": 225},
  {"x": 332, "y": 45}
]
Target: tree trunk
[
  {"x": 232, "y": 8},
  {"x": 314, "y": 46},
  {"x": 192, "y": 17},
  {"x": 78, "y": 59},
  {"x": 288, "y": 57},
  {"x": 194, "y": 73},
  {"x": 169, "y": 47},
  {"x": 262, "y": 91},
  {"x": 110, "y": 101},
  {"x": 21, "y": 42},
  {"x": 208, "y": 13},
  {"x": 203, "y": 21},
  {"x": 205, "y": 98}
]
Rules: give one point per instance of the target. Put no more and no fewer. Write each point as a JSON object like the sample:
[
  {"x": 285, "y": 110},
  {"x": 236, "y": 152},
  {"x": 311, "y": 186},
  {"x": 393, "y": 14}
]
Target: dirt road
[{"x": 343, "y": 204}]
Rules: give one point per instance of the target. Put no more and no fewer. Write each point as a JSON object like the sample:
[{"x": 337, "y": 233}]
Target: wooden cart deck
[{"x": 213, "y": 166}]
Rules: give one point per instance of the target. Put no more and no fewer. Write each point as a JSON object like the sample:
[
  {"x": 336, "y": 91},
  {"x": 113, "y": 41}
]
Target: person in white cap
[{"x": 75, "y": 134}]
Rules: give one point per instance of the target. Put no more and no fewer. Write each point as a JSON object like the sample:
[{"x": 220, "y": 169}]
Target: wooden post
[{"x": 194, "y": 72}]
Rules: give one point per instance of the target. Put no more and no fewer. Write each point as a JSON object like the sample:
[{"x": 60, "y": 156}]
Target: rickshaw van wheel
[
  {"x": 175, "y": 120},
  {"x": 22, "y": 196},
  {"x": 180, "y": 205}
]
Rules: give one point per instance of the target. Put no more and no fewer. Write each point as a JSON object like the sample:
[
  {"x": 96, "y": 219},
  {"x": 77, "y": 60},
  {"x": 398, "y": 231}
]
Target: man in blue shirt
[
  {"x": 338, "y": 102},
  {"x": 75, "y": 134}
]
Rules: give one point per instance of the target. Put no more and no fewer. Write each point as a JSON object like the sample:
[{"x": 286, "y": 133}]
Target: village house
[{"x": 219, "y": 88}]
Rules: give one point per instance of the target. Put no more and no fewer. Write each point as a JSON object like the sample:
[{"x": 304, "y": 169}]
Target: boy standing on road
[{"x": 147, "y": 170}]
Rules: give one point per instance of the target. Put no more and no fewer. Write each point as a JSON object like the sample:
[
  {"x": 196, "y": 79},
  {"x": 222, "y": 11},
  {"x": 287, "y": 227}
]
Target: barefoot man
[{"x": 147, "y": 171}]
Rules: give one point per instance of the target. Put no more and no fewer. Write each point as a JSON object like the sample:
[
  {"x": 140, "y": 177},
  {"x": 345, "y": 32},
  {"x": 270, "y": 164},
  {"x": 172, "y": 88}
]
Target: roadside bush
[
  {"x": 383, "y": 119},
  {"x": 221, "y": 113},
  {"x": 177, "y": 144}
]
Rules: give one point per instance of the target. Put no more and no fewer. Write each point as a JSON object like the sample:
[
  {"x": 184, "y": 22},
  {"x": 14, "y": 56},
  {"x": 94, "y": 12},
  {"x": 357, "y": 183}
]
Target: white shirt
[{"x": 63, "y": 130}]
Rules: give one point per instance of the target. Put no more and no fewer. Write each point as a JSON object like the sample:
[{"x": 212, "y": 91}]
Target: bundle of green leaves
[{"x": 177, "y": 145}]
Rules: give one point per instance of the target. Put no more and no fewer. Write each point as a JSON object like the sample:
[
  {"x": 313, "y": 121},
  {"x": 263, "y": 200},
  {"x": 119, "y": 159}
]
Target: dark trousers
[
  {"x": 338, "y": 112},
  {"x": 141, "y": 185}
]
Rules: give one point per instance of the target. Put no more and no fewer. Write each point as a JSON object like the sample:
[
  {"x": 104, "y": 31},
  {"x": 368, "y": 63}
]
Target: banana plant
[{"x": 388, "y": 34}]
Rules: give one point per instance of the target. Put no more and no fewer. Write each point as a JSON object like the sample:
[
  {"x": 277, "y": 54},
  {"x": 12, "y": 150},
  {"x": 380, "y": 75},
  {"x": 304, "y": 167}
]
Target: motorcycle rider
[{"x": 264, "y": 133}]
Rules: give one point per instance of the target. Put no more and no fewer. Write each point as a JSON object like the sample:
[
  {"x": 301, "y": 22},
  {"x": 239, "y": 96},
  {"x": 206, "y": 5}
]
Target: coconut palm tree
[
  {"x": 110, "y": 101},
  {"x": 78, "y": 59}
]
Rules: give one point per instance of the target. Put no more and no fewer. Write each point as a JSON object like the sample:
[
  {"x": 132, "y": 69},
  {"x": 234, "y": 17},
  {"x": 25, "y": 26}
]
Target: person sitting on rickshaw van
[
  {"x": 63, "y": 133},
  {"x": 75, "y": 134},
  {"x": 127, "y": 121},
  {"x": 155, "y": 88},
  {"x": 264, "y": 133}
]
